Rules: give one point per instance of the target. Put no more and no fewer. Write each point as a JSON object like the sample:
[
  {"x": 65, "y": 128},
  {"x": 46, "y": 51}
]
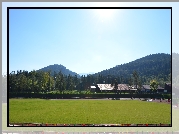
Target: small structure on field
[{"x": 93, "y": 88}]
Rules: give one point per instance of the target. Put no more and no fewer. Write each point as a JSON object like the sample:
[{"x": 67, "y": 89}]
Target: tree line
[{"x": 43, "y": 82}]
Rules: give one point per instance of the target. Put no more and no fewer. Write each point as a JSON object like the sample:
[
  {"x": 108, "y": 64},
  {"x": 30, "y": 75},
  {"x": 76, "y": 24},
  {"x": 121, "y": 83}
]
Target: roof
[
  {"x": 169, "y": 84},
  {"x": 105, "y": 86},
  {"x": 109, "y": 87},
  {"x": 123, "y": 87},
  {"x": 148, "y": 87},
  {"x": 134, "y": 89},
  {"x": 159, "y": 87}
]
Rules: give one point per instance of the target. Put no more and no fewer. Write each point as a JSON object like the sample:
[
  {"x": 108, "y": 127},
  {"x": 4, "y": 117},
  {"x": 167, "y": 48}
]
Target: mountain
[
  {"x": 57, "y": 68},
  {"x": 153, "y": 65},
  {"x": 148, "y": 67}
]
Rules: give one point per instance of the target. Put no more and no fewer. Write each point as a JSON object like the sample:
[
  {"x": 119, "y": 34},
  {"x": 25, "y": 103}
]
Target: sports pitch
[{"x": 88, "y": 111}]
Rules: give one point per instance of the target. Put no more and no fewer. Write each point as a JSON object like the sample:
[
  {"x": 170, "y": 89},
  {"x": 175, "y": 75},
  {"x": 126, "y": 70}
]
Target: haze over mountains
[
  {"x": 86, "y": 73},
  {"x": 149, "y": 66}
]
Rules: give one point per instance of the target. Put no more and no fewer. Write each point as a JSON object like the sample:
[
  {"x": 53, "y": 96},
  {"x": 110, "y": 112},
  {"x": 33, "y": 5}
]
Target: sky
[{"x": 85, "y": 40}]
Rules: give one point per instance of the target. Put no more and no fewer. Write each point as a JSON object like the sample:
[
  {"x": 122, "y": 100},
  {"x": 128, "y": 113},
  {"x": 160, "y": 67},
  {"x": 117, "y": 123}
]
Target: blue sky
[{"x": 85, "y": 40}]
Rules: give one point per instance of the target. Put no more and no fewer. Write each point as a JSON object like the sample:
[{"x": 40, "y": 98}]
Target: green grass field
[{"x": 88, "y": 111}]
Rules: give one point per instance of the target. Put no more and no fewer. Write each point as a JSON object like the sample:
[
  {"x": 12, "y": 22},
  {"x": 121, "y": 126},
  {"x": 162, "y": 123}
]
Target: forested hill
[
  {"x": 155, "y": 65},
  {"x": 57, "y": 68}
]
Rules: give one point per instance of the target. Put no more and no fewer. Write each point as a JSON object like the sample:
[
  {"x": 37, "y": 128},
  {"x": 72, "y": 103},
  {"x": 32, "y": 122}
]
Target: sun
[{"x": 105, "y": 13}]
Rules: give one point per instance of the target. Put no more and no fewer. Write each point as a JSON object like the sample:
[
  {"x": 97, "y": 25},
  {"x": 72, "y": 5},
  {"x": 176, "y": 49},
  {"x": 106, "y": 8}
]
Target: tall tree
[
  {"x": 130, "y": 84},
  {"x": 139, "y": 85},
  {"x": 136, "y": 78},
  {"x": 115, "y": 84},
  {"x": 154, "y": 85}
]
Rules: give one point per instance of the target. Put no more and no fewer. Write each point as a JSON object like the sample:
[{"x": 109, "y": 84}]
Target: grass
[
  {"x": 175, "y": 126},
  {"x": 88, "y": 111}
]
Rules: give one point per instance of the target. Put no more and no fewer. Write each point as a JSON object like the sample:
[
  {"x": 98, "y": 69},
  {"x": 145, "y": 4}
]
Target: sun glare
[{"x": 105, "y": 13}]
